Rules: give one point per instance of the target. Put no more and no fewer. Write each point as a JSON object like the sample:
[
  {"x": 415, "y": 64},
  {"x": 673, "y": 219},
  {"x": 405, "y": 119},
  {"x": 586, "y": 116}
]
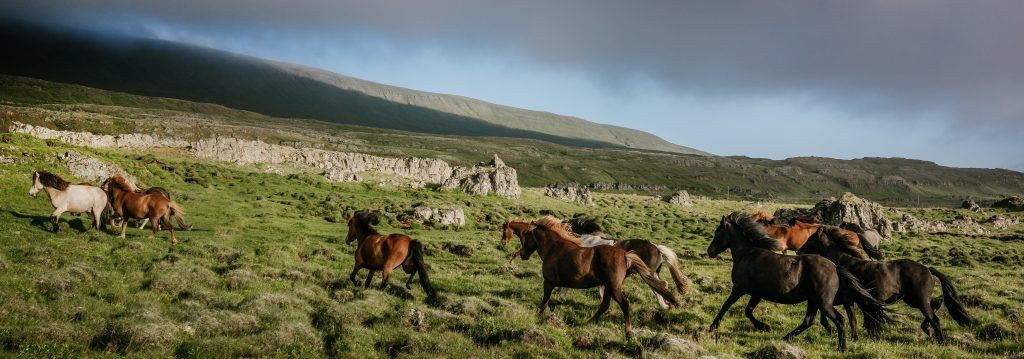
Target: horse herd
[{"x": 833, "y": 266}]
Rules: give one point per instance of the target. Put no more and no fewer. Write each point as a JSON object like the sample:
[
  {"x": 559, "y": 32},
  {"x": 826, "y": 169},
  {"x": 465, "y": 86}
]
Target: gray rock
[
  {"x": 91, "y": 169},
  {"x": 681, "y": 198},
  {"x": 971, "y": 205},
  {"x": 1014, "y": 203},
  {"x": 442, "y": 216},
  {"x": 848, "y": 208},
  {"x": 570, "y": 192}
]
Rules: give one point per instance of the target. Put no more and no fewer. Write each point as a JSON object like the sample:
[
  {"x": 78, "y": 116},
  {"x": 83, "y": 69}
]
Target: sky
[{"x": 934, "y": 80}]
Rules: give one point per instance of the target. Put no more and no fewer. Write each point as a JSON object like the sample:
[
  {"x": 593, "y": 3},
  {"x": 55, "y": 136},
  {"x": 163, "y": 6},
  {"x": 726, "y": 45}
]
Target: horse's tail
[
  {"x": 682, "y": 282},
  {"x": 414, "y": 265},
  {"x": 870, "y": 249},
  {"x": 949, "y": 295},
  {"x": 179, "y": 215},
  {"x": 659, "y": 286},
  {"x": 875, "y": 312}
]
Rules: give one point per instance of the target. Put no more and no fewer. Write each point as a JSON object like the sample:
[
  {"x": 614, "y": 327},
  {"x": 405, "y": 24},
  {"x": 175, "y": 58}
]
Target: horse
[
  {"x": 763, "y": 274},
  {"x": 378, "y": 252},
  {"x": 66, "y": 197},
  {"x": 871, "y": 238},
  {"x": 566, "y": 263},
  {"x": 793, "y": 235},
  {"x": 894, "y": 280},
  {"x": 126, "y": 203},
  {"x": 152, "y": 190},
  {"x": 651, "y": 254}
]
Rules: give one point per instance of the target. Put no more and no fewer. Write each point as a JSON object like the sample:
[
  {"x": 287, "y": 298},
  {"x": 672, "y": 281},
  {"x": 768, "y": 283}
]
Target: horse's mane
[
  {"x": 805, "y": 219},
  {"x": 51, "y": 180},
  {"x": 762, "y": 216},
  {"x": 753, "y": 231},
  {"x": 364, "y": 221},
  {"x": 554, "y": 225},
  {"x": 844, "y": 240},
  {"x": 123, "y": 183},
  {"x": 585, "y": 225},
  {"x": 856, "y": 228}
]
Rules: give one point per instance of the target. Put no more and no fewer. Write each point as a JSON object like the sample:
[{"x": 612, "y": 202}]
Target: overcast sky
[{"x": 936, "y": 80}]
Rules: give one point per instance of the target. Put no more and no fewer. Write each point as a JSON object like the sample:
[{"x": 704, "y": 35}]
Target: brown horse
[
  {"x": 567, "y": 264},
  {"x": 127, "y": 203},
  {"x": 792, "y": 236},
  {"x": 378, "y": 252}
]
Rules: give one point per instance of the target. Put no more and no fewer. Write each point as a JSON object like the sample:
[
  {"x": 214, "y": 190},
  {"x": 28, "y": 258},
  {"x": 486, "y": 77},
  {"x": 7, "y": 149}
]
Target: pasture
[{"x": 265, "y": 270}]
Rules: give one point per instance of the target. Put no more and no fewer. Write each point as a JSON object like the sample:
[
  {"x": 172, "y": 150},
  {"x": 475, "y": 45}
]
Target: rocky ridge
[{"x": 479, "y": 179}]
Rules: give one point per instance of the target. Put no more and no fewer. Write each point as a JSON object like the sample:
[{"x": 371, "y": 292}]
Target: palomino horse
[
  {"x": 760, "y": 272},
  {"x": 378, "y": 252},
  {"x": 66, "y": 197},
  {"x": 796, "y": 233},
  {"x": 126, "y": 203},
  {"x": 903, "y": 279},
  {"x": 565, "y": 263}
]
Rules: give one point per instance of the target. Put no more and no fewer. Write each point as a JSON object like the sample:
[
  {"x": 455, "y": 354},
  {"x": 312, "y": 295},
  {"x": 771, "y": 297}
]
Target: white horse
[{"x": 66, "y": 197}]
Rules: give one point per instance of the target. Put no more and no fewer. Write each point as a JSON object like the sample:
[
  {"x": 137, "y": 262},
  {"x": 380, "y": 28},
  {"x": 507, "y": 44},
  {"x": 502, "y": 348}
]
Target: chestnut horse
[
  {"x": 797, "y": 232},
  {"x": 653, "y": 255},
  {"x": 127, "y": 203},
  {"x": 152, "y": 190},
  {"x": 378, "y": 252},
  {"x": 66, "y": 197},
  {"x": 565, "y": 263}
]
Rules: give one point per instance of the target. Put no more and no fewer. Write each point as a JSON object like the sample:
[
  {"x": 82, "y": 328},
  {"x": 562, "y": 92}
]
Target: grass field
[{"x": 264, "y": 273}]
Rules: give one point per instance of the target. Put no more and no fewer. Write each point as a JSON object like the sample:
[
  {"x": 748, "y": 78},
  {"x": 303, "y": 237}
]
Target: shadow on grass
[{"x": 78, "y": 221}]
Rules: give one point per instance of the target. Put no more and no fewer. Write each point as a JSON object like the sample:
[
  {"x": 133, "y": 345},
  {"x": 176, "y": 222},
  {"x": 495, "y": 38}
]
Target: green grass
[{"x": 264, "y": 273}]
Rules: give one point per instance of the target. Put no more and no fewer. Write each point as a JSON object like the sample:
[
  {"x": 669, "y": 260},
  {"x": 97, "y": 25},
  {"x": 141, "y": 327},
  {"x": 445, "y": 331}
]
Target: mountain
[
  {"x": 893, "y": 181},
  {"x": 167, "y": 69}
]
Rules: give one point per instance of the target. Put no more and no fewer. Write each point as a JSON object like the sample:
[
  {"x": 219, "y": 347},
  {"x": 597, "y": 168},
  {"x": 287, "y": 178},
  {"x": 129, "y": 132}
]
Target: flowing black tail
[
  {"x": 952, "y": 299},
  {"x": 874, "y": 311},
  {"x": 414, "y": 265},
  {"x": 871, "y": 250}
]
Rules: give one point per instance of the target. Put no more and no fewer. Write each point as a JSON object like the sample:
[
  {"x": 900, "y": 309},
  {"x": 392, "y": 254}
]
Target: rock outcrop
[
  {"x": 91, "y": 169},
  {"x": 910, "y": 224},
  {"x": 849, "y": 208},
  {"x": 619, "y": 186},
  {"x": 971, "y": 205},
  {"x": 442, "y": 216},
  {"x": 1014, "y": 203},
  {"x": 571, "y": 192},
  {"x": 1000, "y": 222},
  {"x": 681, "y": 198},
  {"x": 337, "y": 166}
]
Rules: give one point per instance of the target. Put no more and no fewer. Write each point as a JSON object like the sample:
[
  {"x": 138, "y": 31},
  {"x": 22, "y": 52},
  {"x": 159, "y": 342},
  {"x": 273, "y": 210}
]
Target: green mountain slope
[
  {"x": 806, "y": 179},
  {"x": 166, "y": 69}
]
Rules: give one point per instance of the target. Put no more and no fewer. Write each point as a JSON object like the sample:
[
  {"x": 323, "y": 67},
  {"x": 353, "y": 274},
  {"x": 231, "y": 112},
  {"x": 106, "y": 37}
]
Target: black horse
[
  {"x": 763, "y": 274},
  {"x": 894, "y": 280}
]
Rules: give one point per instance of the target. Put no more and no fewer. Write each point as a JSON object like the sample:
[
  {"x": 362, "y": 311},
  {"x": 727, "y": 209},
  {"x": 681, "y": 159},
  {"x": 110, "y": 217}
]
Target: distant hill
[
  {"x": 893, "y": 181},
  {"x": 166, "y": 69}
]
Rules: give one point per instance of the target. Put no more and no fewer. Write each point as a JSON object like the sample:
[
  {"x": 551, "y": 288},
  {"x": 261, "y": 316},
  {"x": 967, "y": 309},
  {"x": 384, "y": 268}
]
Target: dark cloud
[{"x": 962, "y": 59}]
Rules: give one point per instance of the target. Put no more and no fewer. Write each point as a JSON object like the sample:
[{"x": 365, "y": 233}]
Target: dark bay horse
[
  {"x": 567, "y": 264},
  {"x": 894, "y": 280},
  {"x": 67, "y": 197},
  {"x": 653, "y": 255},
  {"x": 125, "y": 202},
  {"x": 763, "y": 274},
  {"x": 378, "y": 252}
]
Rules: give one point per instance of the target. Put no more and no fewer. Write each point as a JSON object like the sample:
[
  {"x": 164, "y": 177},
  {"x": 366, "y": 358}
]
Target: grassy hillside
[
  {"x": 264, "y": 274},
  {"x": 166, "y": 69},
  {"x": 891, "y": 181}
]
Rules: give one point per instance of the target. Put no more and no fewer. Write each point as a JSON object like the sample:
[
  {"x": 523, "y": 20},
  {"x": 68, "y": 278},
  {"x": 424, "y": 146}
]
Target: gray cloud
[{"x": 962, "y": 59}]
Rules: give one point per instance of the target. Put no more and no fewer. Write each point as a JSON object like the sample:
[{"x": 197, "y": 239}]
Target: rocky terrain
[
  {"x": 570, "y": 192},
  {"x": 481, "y": 179}
]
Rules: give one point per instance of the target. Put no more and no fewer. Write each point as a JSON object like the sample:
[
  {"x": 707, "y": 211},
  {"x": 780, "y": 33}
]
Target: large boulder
[
  {"x": 571, "y": 192},
  {"x": 442, "y": 216},
  {"x": 681, "y": 198},
  {"x": 91, "y": 169},
  {"x": 971, "y": 205},
  {"x": 778, "y": 350},
  {"x": 1014, "y": 203},
  {"x": 846, "y": 209}
]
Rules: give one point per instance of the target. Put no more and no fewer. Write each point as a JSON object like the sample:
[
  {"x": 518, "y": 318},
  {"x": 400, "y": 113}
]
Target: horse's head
[
  {"x": 723, "y": 237},
  {"x": 36, "y": 184},
  {"x": 359, "y": 225},
  {"x": 506, "y": 232},
  {"x": 817, "y": 243},
  {"x": 528, "y": 241}
]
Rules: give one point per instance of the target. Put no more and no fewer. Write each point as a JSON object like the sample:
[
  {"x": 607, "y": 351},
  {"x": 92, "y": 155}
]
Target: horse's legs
[
  {"x": 408, "y": 282},
  {"x": 97, "y": 216},
  {"x": 154, "y": 218},
  {"x": 55, "y": 218},
  {"x": 548, "y": 287},
  {"x": 733, "y": 297},
  {"x": 853, "y": 320},
  {"x": 824, "y": 322},
  {"x": 812, "y": 309},
  {"x": 385, "y": 274},
  {"x": 124, "y": 226},
  {"x": 749, "y": 311},
  {"x": 601, "y": 309},
  {"x": 561, "y": 293},
  {"x": 616, "y": 294},
  {"x": 369, "y": 278},
  {"x": 170, "y": 227},
  {"x": 833, "y": 315},
  {"x": 930, "y": 319},
  {"x": 355, "y": 269}
]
